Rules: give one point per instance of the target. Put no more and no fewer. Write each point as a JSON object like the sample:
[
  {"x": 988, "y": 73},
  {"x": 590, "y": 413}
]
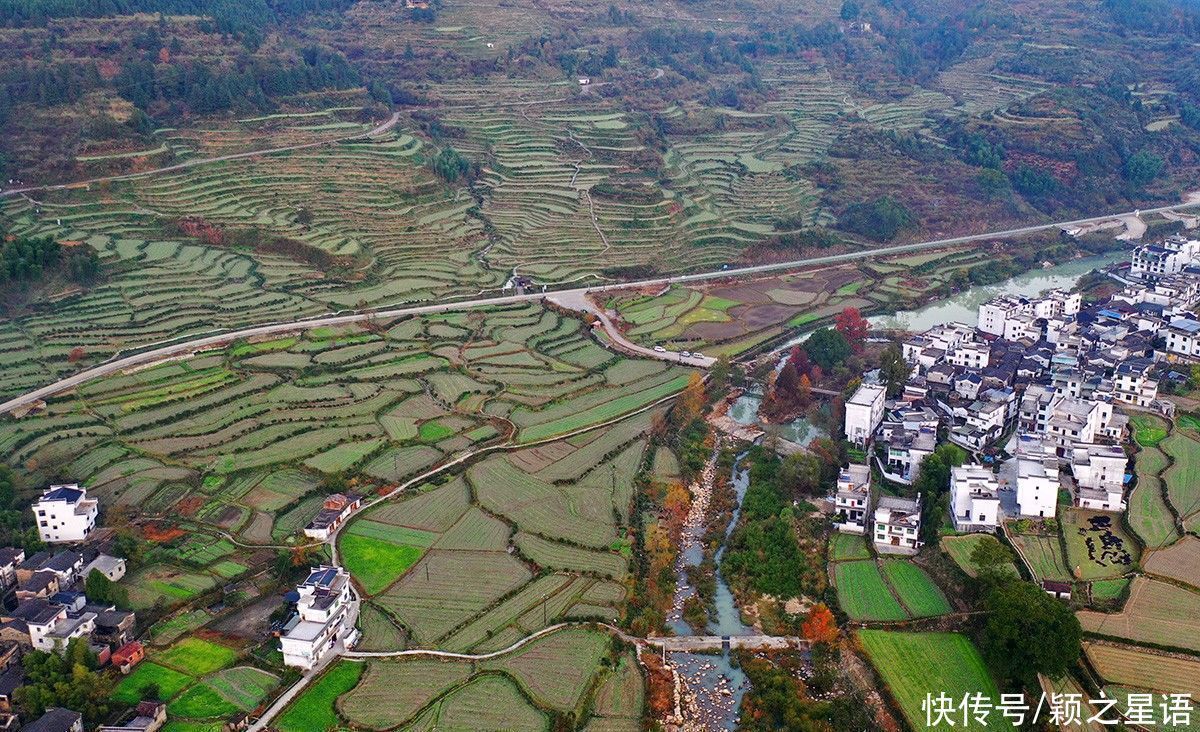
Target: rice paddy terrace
[
  {"x": 571, "y": 188},
  {"x": 237, "y": 447}
]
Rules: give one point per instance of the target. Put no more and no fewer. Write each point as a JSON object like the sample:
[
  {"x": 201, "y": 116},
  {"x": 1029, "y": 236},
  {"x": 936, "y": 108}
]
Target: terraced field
[
  {"x": 560, "y": 673},
  {"x": 559, "y": 507},
  {"x": 1156, "y": 612},
  {"x": 729, "y": 318},
  {"x": 240, "y": 440},
  {"x": 1144, "y": 669},
  {"x": 1150, "y": 515},
  {"x": 1183, "y": 477},
  {"x": 393, "y": 230}
]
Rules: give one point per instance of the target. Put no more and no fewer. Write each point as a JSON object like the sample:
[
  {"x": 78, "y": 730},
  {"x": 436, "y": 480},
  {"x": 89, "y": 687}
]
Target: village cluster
[
  {"x": 1036, "y": 393},
  {"x": 44, "y": 605},
  {"x": 1033, "y": 393}
]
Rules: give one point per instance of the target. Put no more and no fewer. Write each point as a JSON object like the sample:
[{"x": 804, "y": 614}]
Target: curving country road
[
  {"x": 574, "y": 297},
  {"x": 378, "y": 130}
]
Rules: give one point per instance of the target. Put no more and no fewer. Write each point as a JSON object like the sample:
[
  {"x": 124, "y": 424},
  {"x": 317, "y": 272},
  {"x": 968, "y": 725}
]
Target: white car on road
[{"x": 659, "y": 349}]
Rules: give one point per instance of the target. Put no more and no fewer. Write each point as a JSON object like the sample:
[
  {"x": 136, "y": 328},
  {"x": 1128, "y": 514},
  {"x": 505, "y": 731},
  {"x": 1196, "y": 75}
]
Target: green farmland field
[
  {"x": 915, "y": 664},
  {"x": 863, "y": 593},
  {"x": 148, "y": 676},
  {"x": 1045, "y": 555},
  {"x": 1148, "y": 430},
  {"x": 917, "y": 592},
  {"x": 1183, "y": 477},
  {"x": 313, "y": 709},
  {"x": 377, "y": 555},
  {"x": 848, "y": 546},
  {"x": 196, "y": 656},
  {"x": 201, "y": 702},
  {"x": 1149, "y": 514},
  {"x": 960, "y": 548},
  {"x": 609, "y": 410}
]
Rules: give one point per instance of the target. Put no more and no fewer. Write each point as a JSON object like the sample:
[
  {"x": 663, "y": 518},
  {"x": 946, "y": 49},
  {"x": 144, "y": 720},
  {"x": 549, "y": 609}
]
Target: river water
[
  {"x": 744, "y": 410},
  {"x": 717, "y": 685},
  {"x": 964, "y": 307}
]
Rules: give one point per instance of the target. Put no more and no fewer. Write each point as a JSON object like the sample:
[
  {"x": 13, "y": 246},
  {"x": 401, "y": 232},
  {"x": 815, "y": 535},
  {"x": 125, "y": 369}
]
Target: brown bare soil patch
[
  {"x": 715, "y": 332},
  {"x": 760, "y": 316},
  {"x": 1179, "y": 562},
  {"x": 161, "y": 533},
  {"x": 190, "y": 505}
]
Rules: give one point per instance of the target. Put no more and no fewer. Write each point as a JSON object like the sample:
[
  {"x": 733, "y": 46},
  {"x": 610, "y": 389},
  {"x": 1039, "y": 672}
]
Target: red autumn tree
[
  {"x": 804, "y": 390},
  {"x": 819, "y": 626},
  {"x": 75, "y": 355},
  {"x": 853, "y": 327}
]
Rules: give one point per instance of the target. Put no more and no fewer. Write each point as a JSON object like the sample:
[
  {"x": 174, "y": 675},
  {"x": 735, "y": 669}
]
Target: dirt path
[{"x": 864, "y": 678}]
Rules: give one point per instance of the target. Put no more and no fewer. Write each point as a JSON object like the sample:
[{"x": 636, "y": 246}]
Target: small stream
[
  {"x": 744, "y": 410},
  {"x": 718, "y": 686},
  {"x": 716, "y": 683}
]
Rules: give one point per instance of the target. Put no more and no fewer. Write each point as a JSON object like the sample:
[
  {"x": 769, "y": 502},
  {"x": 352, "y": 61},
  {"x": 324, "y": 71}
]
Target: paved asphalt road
[{"x": 575, "y": 295}]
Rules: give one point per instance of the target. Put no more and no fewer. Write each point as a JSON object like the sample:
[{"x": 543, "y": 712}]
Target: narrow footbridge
[{"x": 691, "y": 643}]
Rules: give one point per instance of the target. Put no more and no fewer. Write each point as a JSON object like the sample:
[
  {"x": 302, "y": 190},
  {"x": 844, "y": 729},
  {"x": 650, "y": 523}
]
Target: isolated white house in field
[
  {"x": 325, "y": 616},
  {"x": 64, "y": 513},
  {"x": 334, "y": 512},
  {"x": 864, "y": 412}
]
